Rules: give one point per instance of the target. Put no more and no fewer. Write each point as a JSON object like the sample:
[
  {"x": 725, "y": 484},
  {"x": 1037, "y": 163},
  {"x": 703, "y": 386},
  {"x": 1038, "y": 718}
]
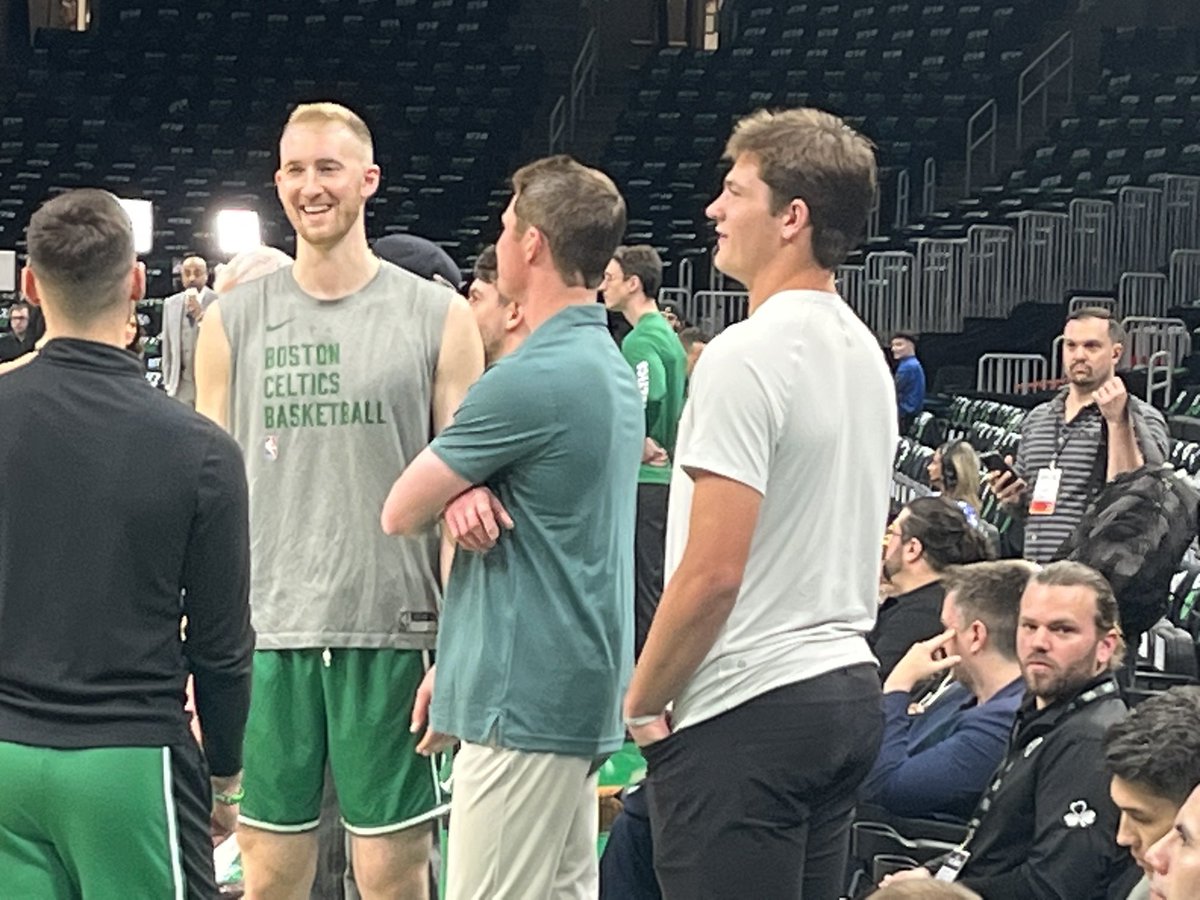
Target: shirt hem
[
  {"x": 345, "y": 641},
  {"x": 587, "y": 748},
  {"x": 704, "y": 710}
]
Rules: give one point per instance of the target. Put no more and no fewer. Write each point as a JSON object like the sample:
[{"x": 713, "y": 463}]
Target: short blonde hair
[
  {"x": 816, "y": 157},
  {"x": 333, "y": 114}
]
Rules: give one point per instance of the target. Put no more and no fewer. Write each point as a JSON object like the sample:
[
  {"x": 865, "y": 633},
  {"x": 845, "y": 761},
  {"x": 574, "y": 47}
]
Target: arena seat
[
  {"x": 908, "y": 74},
  {"x": 212, "y": 111}
]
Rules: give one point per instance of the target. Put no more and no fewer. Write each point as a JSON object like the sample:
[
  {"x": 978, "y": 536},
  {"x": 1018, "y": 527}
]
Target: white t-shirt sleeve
[{"x": 735, "y": 420}]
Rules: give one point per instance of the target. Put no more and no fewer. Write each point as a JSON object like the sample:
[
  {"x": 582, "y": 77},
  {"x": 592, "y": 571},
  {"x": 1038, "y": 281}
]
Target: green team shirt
[
  {"x": 660, "y": 366},
  {"x": 535, "y": 649}
]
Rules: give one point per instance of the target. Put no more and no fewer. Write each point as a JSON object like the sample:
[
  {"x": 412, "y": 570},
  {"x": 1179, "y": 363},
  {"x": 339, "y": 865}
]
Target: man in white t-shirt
[{"x": 778, "y": 502}]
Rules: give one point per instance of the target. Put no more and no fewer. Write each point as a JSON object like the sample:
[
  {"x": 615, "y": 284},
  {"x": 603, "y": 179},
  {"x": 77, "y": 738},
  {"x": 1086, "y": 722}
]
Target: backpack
[{"x": 1135, "y": 533}]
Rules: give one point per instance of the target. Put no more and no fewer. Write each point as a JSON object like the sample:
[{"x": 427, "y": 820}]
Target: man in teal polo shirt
[
  {"x": 631, "y": 282},
  {"x": 535, "y": 645}
]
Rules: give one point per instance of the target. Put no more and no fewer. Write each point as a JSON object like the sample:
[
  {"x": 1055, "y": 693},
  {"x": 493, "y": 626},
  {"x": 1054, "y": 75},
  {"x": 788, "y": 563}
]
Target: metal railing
[
  {"x": 888, "y": 291},
  {"x": 1087, "y": 302},
  {"x": 873, "y": 215},
  {"x": 929, "y": 187},
  {"x": 1148, "y": 336},
  {"x": 583, "y": 78},
  {"x": 1041, "y": 256},
  {"x": 687, "y": 274},
  {"x": 1010, "y": 373},
  {"x": 991, "y": 270},
  {"x": 1160, "y": 376},
  {"x": 1142, "y": 294},
  {"x": 851, "y": 284},
  {"x": 1181, "y": 210},
  {"x": 903, "y": 199},
  {"x": 974, "y": 142},
  {"x": 715, "y": 310},
  {"x": 1140, "y": 229},
  {"x": 1183, "y": 278},
  {"x": 558, "y": 127},
  {"x": 1038, "y": 78},
  {"x": 1057, "y": 372},
  {"x": 1092, "y": 244},
  {"x": 941, "y": 265}
]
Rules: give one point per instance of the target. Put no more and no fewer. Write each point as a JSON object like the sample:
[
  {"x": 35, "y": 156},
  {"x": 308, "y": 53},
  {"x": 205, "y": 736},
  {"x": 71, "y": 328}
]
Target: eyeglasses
[{"x": 891, "y": 532}]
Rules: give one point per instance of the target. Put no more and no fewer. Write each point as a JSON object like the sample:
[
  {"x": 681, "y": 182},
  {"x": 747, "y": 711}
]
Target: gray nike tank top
[{"x": 330, "y": 400}]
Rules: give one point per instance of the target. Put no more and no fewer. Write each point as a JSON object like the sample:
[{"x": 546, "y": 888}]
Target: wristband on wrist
[
  {"x": 639, "y": 721},
  {"x": 230, "y": 798}
]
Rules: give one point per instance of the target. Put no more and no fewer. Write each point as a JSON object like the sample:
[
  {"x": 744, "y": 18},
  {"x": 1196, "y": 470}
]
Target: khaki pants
[{"x": 523, "y": 826}]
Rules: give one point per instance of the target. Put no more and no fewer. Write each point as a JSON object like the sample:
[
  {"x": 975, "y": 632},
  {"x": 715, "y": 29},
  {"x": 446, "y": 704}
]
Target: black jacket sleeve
[
  {"x": 1074, "y": 851},
  {"x": 216, "y": 580},
  {"x": 893, "y": 638}
]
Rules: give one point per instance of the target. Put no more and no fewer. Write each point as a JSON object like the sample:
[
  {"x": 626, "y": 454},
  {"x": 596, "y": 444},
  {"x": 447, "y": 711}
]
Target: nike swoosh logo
[{"x": 280, "y": 325}]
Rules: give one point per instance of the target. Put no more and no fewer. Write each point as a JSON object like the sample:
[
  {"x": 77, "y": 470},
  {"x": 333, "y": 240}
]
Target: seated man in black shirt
[
  {"x": 930, "y": 535},
  {"x": 129, "y": 514},
  {"x": 1046, "y": 826}
]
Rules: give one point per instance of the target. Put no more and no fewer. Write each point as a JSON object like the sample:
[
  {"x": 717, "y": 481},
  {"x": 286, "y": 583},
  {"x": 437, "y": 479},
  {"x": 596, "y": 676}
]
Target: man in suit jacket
[{"x": 181, "y": 317}]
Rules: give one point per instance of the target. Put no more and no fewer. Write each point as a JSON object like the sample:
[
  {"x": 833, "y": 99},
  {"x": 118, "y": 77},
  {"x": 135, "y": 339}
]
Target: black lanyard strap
[{"x": 1099, "y": 692}]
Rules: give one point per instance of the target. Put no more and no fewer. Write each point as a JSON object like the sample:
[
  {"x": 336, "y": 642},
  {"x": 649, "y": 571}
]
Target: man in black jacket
[
  {"x": 129, "y": 514},
  {"x": 1045, "y": 829}
]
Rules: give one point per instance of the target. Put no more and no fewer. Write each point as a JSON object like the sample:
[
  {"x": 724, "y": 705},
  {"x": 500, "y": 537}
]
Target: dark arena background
[{"x": 1036, "y": 157}]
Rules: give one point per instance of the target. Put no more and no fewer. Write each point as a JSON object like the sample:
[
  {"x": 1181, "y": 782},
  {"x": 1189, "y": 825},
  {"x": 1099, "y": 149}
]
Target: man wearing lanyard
[
  {"x": 1087, "y": 435},
  {"x": 1046, "y": 825}
]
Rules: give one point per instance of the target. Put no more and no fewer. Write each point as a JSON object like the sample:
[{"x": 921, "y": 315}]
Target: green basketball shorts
[
  {"x": 348, "y": 708},
  {"x": 106, "y": 822}
]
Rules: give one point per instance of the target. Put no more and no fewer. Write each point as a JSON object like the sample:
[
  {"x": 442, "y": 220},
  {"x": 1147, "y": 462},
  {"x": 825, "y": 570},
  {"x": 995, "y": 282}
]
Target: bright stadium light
[
  {"x": 238, "y": 230},
  {"x": 8, "y": 271},
  {"x": 141, "y": 213}
]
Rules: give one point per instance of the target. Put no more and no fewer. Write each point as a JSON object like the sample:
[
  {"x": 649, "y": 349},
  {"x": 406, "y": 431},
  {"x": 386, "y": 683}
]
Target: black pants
[
  {"x": 758, "y": 801},
  {"x": 649, "y": 557}
]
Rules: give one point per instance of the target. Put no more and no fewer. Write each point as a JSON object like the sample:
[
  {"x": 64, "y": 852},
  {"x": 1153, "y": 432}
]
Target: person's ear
[
  {"x": 796, "y": 218},
  {"x": 370, "y": 182},
  {"x": 29, "y": 286},
  {"x": 977, "y": 636},
  {"x": 533, "y": 243},
  {"x": 137, "y": 287},
  {"x": 514, "y": 316}
]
